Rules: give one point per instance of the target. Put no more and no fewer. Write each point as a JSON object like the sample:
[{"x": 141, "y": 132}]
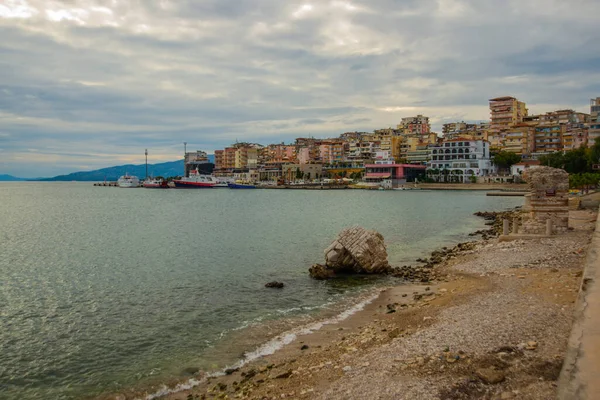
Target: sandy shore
[{"x": 494, "y": 326}]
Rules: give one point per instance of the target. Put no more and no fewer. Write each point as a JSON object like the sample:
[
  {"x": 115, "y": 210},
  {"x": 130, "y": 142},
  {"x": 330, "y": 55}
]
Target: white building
[
  {"x": 523, "y": 167},
  {"x": 460, "y": 160}
]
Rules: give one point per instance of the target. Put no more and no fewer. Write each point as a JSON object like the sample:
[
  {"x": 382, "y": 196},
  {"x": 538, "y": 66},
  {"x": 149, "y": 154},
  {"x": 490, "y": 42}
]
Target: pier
[{"x": 113, "y": 184}]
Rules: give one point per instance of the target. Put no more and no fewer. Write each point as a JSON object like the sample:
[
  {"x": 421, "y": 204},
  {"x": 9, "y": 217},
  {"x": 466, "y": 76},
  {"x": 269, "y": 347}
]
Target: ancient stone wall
[{"x": 548, "y": 200}]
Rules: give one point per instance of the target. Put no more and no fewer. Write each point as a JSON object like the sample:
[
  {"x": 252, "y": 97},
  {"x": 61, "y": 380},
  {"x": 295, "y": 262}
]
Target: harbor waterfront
[{"x": 102, "y": 290}]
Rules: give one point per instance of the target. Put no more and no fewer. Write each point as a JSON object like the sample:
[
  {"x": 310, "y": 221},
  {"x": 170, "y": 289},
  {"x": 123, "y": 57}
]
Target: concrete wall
[{"x": 580, "y": 376}]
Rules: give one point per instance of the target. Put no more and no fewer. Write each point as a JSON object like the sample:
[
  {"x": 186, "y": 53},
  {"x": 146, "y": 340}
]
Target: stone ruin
[
  {"x": 548, "y": 200},
  {"x": 355, "y": 250}
]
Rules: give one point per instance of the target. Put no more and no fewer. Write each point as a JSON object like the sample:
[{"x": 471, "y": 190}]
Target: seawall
[{"x": 579, "y": 376}]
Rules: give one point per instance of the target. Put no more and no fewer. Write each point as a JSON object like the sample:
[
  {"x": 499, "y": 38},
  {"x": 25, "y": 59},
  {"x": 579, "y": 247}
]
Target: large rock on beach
[{"x": 355, "y": 250}]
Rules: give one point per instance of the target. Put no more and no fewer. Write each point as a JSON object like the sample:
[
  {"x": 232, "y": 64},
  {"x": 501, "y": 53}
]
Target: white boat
[
  {"x": 197, "y": 180},
  {"x": 128, "y": 181}
]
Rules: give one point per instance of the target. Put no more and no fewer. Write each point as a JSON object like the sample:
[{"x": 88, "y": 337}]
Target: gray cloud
[{"x": 91, "y": 83}]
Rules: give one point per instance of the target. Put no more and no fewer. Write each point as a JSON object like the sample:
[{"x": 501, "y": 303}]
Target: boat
[
  {"x": 239, "y": 185},
  {"x": 155, "y": 184},
  {"x": 128, "y": 181},
  {"x": 221, "y": 183},
  {"x": 196, "y": 180}
]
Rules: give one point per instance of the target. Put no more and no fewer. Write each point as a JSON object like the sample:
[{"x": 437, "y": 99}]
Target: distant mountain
[
  {"x": 166, "y": 169},
  {"x": 10, "y": 178}
]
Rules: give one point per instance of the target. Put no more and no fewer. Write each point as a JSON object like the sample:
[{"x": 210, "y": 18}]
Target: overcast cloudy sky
[{"x": 86, "y": 84}]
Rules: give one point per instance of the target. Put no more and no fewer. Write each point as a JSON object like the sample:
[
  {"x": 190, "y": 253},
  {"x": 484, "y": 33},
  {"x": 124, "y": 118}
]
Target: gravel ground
[{"x": 510, "y": 316}]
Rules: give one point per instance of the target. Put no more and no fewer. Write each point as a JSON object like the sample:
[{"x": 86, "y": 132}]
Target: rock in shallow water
[
  {"x": 355, "y": 250},
  {"x": 320, "y": 272}
]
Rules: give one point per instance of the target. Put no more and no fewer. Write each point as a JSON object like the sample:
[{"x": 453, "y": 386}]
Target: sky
[{"x": 86, "y": 84}]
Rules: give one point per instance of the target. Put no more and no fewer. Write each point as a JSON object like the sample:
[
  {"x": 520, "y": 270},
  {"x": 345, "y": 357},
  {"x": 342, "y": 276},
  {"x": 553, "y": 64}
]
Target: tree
[
  {"x": 575, "y": 161},
  {"x": 593, "y": 155},
  {"x": 505, "y": 159},
  {"x": 299, "y": 174},
  {"x": 554, "y": 160}
]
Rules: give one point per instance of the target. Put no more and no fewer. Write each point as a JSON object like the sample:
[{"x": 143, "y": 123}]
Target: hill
[
  {"x": 10, "y": 178},
  {"x": 166, "y": 169}
]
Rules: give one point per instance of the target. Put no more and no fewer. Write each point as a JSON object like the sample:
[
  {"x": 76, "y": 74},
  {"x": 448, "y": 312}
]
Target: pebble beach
[{"x": 494, "y": 325}]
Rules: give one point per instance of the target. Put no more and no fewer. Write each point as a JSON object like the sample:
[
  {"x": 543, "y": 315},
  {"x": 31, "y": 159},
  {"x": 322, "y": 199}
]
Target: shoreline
[
  {"x": 404, "y": 295},
  {"x": 496, "y": 325}
]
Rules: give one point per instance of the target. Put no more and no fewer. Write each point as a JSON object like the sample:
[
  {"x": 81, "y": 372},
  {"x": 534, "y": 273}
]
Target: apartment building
[
  {"x": 331, "y": 151},
  {"x": 410, "y": 143},
  {"x": 225, "y": 159},
  {"x": 280, "y": 153},
  {"x": 421, "y": 155},
  {"x": 519, "y": 139},
  {"x": 418, "y": 125},
  {"x": 574, "y": 137},
  {"x": 548, "y": 138},
  {"x": 506, "y": 112},
  {"x": 455, "y": 130}
]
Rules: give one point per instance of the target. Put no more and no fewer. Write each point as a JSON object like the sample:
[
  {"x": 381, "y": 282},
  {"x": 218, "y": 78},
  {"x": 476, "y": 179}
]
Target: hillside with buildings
[{"x": 463, "y": 152}]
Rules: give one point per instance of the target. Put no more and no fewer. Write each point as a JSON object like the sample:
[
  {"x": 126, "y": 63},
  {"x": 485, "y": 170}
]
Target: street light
[{"x": 184, "y": 153}]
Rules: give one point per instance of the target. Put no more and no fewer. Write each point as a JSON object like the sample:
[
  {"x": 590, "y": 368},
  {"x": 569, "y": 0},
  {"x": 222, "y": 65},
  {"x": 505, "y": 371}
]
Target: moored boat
[
  {"x": 236, "y": 185},
  {"x": 196, "y": 180},
  {"x": 155, "y": 184},
  {"x": 128, "y": 181}
]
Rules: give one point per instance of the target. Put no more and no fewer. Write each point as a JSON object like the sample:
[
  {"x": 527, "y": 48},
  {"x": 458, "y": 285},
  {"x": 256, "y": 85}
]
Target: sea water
[{"x": 104, "y": 289}]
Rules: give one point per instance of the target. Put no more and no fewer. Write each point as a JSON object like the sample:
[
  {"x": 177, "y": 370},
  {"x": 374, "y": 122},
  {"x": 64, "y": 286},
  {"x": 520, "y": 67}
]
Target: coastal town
[{"x": 462, "y": 153}]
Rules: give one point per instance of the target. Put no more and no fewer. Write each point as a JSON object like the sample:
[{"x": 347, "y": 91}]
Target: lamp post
[
  {"x": 184, "y": 154},
  {"x": 146, "y": 152}
]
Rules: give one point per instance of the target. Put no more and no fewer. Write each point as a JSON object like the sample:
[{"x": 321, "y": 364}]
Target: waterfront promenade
[{"x": 581, "y": 369}]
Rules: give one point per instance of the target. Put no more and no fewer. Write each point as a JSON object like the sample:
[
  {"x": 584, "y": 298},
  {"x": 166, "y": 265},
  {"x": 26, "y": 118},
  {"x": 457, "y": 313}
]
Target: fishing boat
[
  {"x": 155, "y": 184},
  {"x": 241, "y": 185},
  {"x": 128, "y": 181},
  {"x": 196, "y": 180}
]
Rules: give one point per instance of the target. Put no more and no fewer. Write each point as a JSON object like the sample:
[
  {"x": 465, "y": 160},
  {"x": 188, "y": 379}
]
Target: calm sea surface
[{"x": 103, "y": 289}]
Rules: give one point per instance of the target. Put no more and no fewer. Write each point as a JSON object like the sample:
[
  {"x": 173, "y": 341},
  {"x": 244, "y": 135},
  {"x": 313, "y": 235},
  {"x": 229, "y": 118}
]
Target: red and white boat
[
  {"x": 155, "y": 184},
  {"x": 196, "y": 180}
]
